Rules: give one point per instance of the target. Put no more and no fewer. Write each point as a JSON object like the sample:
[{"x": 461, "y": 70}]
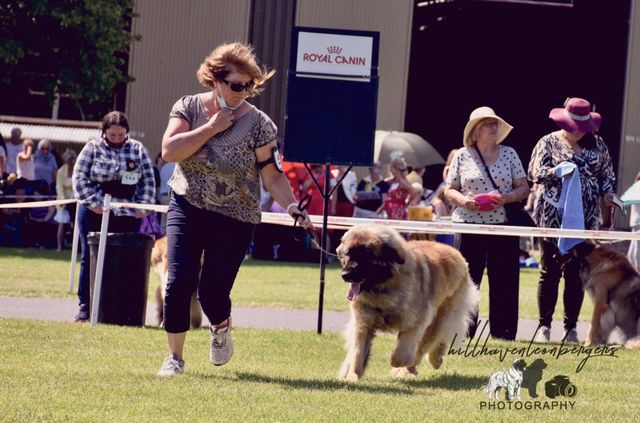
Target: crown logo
[{"x": 334, "y": 50}]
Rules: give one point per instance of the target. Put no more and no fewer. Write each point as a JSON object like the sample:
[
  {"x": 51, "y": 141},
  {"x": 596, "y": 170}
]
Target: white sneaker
[
  {"x": 221, "y": 344},
  {"x": 571, "y": 336},
  {"x": 543, "y": 336},
  {"x": 171, "y": 367}
]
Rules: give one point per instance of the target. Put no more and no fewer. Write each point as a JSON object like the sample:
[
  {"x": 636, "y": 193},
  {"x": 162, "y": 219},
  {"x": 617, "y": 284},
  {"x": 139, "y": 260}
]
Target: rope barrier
[{"x": 409, "y": 226}]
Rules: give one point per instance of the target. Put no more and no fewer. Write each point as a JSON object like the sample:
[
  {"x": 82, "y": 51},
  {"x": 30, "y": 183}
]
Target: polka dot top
[{"x": 468, "y": 172}]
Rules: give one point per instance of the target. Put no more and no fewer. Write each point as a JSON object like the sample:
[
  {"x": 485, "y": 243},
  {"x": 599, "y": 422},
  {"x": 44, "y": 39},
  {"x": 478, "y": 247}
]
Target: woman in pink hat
[{"x": 575, "y": 142}]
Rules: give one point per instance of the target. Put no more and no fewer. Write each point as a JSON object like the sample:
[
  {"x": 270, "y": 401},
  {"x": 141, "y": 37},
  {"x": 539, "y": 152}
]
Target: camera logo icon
[{"x": 560, "y": 386}]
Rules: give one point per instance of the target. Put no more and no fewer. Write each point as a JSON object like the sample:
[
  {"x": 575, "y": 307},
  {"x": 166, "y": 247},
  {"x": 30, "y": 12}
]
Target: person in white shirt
[
  {"x": 25, "y": 168},
  {"x": 14, "y": 147}
]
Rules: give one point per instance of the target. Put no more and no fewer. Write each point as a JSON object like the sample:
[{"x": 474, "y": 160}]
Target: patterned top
[
  {"x": 468, "y": 172},
  {"x": 222, "y": 176},
  {"x": 98, "y": 163},
  {"x": 596, "y": 178},
  {"x": 396, "y": 202}
]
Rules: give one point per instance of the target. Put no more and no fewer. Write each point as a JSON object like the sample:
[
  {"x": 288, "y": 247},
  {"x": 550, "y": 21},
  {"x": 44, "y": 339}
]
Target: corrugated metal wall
[
  {"x": 176, "y": 36},
  {"x": 271, "y": 24},
  {"x": 629, "y": 164},
  {"x": 393, "y": 21}
]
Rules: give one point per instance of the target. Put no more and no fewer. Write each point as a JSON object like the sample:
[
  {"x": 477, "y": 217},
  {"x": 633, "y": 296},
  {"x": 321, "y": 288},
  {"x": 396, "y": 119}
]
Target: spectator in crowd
[
  {"x": 416, "y": 175},
  {"x": 316, "y": 205},
  {"x": 575, "y": 142},
  {"x": 370, "y": 193},
  {"x": 3, "y": 157},
  {"x": 14, "y": 147},
  {"x": 345, "y": 192},
  {"x": 117, "y": 165},
  {"x": 40, "y": 224},
  {"x": 400, "y": 190},
  {"x": 441, "y": 206},
  {"x": 45, "y": 165},
  {"x": 14, "y": 220},
  {"x": 223, "y": 147},
  {"x": 468, "y": 177},
  {"x": 65, "y": 214},
  {"x": 24, "y": 161},
  {"x": 634, "y": 220}
]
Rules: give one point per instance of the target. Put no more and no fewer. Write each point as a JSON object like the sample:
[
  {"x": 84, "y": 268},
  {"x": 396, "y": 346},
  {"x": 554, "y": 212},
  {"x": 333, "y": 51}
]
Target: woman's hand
[
  {"x": 608, "y": 198},
  {"x": 499, "y": 200},
  {"x": 96, "y": 209},
  {"x": 221, "y": 120},
  {"x": 140, "y": 213},
  {"x": 301, "y": 216},
  {"x": 470, "y": 204}
]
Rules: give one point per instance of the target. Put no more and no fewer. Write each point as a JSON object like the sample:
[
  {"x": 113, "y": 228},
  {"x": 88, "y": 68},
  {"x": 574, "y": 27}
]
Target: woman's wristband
[{"x": 291, "y": 205}]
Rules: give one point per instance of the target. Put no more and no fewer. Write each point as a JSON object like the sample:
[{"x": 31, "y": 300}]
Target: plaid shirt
[{"x": 99, "y": 163}]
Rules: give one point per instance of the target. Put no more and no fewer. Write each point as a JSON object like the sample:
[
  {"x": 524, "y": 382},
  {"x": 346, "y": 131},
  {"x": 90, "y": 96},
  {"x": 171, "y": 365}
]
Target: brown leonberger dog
[
  {"x": 420, "y": 290},
  {"x": 614, "y": 287},
  {"x": 160, "y": 265}
]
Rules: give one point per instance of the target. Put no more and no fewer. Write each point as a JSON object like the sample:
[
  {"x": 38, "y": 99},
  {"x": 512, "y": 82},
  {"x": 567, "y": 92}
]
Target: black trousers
[
  {"x": 192, "y": 231},
  {"x": 550, "y": 273},
  {"x": 499, "y": 254}
]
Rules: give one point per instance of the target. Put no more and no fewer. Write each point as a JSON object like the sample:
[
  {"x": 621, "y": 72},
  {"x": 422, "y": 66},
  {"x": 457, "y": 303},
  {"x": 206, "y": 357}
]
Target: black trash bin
[{"x": 125, "y": 277}]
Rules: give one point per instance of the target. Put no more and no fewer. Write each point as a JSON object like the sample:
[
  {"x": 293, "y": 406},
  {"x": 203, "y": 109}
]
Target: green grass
[
  {"x": 42, "y": 273},
  {"x": 63, "y": 372}
]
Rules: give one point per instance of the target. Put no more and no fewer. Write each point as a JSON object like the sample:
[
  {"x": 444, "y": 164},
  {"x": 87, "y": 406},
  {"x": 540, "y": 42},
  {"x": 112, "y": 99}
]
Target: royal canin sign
[{"x": 333, "y": 54}]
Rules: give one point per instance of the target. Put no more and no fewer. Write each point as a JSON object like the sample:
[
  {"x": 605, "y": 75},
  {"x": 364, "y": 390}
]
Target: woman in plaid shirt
[{"x": 117, "y": 165}]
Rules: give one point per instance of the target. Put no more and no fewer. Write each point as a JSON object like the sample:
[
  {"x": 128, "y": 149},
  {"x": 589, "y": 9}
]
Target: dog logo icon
[
  {"x": 510, "y": 380},
  {"x": 532, "y": 375}
]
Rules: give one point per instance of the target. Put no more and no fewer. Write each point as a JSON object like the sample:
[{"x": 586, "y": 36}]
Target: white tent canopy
[{"x": 68, "y": 134}]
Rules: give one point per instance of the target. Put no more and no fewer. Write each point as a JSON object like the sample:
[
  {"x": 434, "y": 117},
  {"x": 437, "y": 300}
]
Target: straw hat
[
  {"x": 576, "y": 116},
  {"x": 479, "y": 114}
]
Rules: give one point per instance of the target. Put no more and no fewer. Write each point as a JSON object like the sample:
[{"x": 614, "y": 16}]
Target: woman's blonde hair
[{"x": 227, "y": 58}]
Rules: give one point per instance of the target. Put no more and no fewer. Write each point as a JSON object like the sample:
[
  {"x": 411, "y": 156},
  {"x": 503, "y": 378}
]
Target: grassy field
[
  {"x": 42, "y": 273},
  {"x": 64, "y": 372}
]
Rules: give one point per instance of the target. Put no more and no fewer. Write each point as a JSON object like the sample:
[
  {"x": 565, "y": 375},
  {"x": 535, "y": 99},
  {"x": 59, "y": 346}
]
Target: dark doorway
[{"x": 520, "y": 59}]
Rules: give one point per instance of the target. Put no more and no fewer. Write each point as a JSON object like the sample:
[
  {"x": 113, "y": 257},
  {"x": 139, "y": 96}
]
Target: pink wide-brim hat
[{"x": 576, "y": 116}]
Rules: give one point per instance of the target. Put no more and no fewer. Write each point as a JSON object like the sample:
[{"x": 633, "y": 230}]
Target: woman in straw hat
[
  {"x": 576, "y": 143},
  {"x": 467, "y": 184}
]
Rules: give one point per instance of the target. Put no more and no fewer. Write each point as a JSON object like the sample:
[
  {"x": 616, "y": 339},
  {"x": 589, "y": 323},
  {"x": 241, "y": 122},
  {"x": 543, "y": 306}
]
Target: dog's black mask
[
  {"x": 578, "y": 253},
  {"x": 361, "y": 264}
]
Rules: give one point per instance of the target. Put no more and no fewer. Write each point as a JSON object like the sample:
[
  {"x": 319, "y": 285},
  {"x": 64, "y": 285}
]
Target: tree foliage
[{"x": 71, "y": 47}]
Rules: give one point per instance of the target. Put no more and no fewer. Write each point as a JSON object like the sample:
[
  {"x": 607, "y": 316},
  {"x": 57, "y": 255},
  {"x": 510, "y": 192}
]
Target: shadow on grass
[
  {"x": 451, "y": 382},
  {"x": 35, "y": 254},
  {"x": 315, "y": 384}
]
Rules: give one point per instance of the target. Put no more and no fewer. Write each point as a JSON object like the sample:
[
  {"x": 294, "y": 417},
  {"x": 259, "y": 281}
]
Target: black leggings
[
  {"x": 499, "y": 254},
  {"x": 550, "y": 273},
  {"x": 192, "y": 231}
]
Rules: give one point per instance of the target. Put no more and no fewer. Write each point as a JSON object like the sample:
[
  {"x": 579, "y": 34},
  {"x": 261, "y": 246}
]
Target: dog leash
[{"x": 302, "y": 206}]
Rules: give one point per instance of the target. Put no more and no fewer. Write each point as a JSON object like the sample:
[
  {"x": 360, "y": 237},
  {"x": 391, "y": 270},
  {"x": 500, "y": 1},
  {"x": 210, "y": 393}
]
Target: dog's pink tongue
[{"x": 354, "y": 290}]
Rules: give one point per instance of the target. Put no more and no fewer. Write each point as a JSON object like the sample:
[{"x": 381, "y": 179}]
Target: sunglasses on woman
[{"x": 238, "y": 87}]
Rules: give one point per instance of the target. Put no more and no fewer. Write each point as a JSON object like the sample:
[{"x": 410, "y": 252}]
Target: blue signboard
[{"x": 332, "y": 95}]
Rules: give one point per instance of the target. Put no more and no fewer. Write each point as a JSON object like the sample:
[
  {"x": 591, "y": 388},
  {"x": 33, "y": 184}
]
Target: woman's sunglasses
[{"x": 238, "y": 87}]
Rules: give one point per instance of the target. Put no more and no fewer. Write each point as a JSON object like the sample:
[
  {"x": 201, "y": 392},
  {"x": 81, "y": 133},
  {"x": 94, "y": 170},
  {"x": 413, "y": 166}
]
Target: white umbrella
[{"x": 416, "y": 150}]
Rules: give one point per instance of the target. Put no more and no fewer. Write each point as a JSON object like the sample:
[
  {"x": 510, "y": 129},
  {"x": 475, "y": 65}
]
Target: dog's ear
[{"x": 390, "y": 254}]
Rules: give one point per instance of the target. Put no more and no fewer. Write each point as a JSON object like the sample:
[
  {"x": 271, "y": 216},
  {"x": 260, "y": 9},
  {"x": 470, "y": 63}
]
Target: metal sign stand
[{"x": 326, "y": 196}]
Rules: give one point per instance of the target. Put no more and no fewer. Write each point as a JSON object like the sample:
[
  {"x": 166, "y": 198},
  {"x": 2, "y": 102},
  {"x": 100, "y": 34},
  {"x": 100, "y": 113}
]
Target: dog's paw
[
  {"x": 404, "y": 372},
  {"x": 352, "y": 377},
  {"x": 402, "y": 359},
  {"x": 435, "y": 361}
]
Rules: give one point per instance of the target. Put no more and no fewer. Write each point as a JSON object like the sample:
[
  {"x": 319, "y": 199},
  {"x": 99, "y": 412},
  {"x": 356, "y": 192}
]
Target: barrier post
[
  {"x": 74, "y": 253},
  {"x": 97, "y": 288}
]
